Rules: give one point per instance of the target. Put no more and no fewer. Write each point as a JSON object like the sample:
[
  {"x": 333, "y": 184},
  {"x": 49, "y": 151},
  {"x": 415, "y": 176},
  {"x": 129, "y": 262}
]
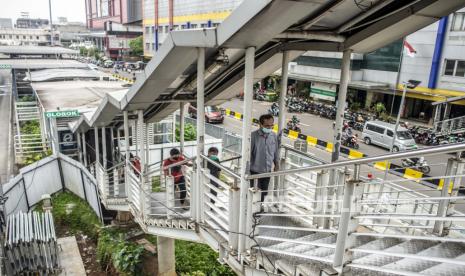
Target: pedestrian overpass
[{"x": 320, "y": 219}]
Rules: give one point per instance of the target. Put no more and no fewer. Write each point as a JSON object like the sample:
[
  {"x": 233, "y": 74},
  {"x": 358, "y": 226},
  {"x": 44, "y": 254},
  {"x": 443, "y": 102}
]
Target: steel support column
[
  {"x": 84, "y": 148},
  {"x": 451, "y": 170},
  {"x": 78, "y": 140},
  {"x": 127, "y": 150},
  {"x": 341, "y": 102},
  {"x": 200, "y": 131},
  {"x": 97, "y": 148},
  {"x": 181, "y": 126},
  {"x": 104, "y": 148},
  {"x": 282, "y": 96},
  {"x": 246, "y": 134},
  {"x": 141, "y": 130}
]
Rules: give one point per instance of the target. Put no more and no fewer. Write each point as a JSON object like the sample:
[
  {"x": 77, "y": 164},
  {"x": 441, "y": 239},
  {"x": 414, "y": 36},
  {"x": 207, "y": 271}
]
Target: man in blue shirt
[{"x": 264, "y": 153}]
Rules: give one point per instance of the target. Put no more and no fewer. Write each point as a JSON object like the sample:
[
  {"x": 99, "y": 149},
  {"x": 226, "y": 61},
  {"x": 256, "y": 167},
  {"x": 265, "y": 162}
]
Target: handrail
[
  {"x": 187, "y": 160},
  {"x": 220, "y": 166},
  {"x": 397, "y": 155},
  {"x": 289, "y": 148}
]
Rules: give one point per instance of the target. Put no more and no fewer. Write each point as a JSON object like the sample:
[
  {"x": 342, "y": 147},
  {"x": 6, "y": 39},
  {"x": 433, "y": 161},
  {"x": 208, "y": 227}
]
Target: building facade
[
  {"x": 32, "y": 23},
  {"x": 437, "y": 60},
  {"x": 6, "y": 23},
  {"x": 118, "y": 19},
  {"x": 32, "y": 37},
  {"x": 162, "y": 16}
]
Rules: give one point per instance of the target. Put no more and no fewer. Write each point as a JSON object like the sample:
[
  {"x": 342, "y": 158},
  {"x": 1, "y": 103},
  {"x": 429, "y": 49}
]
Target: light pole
[
  {"x": 51, "y": 26},
  {"x": 411, "y": 84}
]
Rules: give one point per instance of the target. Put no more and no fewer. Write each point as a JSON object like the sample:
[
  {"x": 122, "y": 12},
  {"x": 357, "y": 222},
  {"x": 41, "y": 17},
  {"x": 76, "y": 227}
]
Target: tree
[{"x": 136, "y": 46}]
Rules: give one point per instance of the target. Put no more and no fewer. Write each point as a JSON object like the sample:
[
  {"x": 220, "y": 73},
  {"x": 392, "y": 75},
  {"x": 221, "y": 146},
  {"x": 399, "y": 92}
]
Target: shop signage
[{"x": 62, "y": 114}]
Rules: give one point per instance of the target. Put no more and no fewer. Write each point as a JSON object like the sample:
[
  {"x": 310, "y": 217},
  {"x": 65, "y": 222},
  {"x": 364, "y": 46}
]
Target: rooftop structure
[
  {"x": 6, "y": 23},
  {"x": 66, "y": 74},
  {"x": 81, "y": 95},
  {"x": 34, "y": 63},
  {"x": 36, "y": 50},
  {"x": 31, "y": 23}
]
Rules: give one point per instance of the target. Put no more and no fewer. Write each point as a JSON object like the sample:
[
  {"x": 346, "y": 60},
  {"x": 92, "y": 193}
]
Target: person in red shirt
[
  {"x": 176, "y": 172},
  {"x": 136, "y": 164}
]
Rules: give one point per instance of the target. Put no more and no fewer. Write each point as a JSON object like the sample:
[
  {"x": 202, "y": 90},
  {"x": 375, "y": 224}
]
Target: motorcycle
[
  {"x": 351, "y": 142},
  {"x": 293, "y": 124},
  {"x": 416, "y": 163},
  {"x": 274, "y": 109}
]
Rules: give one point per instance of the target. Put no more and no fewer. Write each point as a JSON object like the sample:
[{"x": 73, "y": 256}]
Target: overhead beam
[
  {"x": 363, "y": 15},
  {"x": 311, "y": 36},
  {"x": 322, "y": 13}
]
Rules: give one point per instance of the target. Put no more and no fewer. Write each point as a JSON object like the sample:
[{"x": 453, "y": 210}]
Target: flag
[{"x": 411, "y": 52}]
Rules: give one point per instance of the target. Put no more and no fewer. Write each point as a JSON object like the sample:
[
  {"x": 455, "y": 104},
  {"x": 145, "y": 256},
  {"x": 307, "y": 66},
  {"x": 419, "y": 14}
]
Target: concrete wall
[{"x": 454, "y": 48}]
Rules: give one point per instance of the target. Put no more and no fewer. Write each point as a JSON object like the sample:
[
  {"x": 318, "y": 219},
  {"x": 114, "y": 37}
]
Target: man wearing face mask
[
  {"x": 176, "y": 172},
  {"x": 264, "y": 152}
]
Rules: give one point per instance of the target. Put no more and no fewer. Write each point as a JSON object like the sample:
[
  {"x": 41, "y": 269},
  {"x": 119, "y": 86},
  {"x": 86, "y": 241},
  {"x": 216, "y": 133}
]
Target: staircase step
[
  {"x": 442, "y": 250},
  {"x": 446, "y": 269},
  {"x": 407, "y": 247}
]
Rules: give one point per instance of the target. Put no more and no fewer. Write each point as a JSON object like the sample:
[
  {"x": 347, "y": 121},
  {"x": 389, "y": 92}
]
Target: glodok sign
[{"x": 62, "y": 114}]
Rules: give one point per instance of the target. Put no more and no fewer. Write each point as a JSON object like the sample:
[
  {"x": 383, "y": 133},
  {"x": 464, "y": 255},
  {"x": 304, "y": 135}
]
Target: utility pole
[{"x": 51, "y": 25}]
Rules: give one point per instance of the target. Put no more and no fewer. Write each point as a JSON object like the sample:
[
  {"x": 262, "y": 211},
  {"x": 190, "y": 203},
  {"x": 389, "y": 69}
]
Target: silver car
[{"x": 381, "y": 134}]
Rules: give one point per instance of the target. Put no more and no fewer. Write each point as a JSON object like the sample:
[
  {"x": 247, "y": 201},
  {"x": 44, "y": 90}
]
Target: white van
[{"x": 381, "y": 134}]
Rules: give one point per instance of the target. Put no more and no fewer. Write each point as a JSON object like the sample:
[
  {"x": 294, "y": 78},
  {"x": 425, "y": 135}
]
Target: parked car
[
  {"x": 381, "y": 134},
  {"x": 212, "y": 114}
]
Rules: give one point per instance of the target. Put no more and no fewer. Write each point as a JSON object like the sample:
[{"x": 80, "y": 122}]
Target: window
[
  {"x": 460, "y": 70},
  {"x": 375, "y": 128},
  {"x": 216, "y": 24},
  {"x": 203, "y": 25},
  {"x": 147, "y": 30},
  {"x": 30, "y": 37},
  {"x": 389, "y": 133},
  {"x": 17, "y": 37},
  {"x": 24, "y": 37},
  {"x": 147, "y": 46},
  {"x": 454, "y": 68},
  {"x": 167, "y": 28},
  {"x": 193, "y": 26},
  {"x": 160, "y": 29},
  {"x": 153, "y": 46},
  {"x": 458, "y": 22},
  {"x": 11, "y": 36},
  {"x": 153, "y": 29},
  {"x": 37, "y": 37},
  {"x": 404, "y": 135}
]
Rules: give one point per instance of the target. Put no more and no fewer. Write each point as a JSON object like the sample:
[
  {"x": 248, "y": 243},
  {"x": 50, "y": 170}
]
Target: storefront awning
[{"x": 358, "y": 84}]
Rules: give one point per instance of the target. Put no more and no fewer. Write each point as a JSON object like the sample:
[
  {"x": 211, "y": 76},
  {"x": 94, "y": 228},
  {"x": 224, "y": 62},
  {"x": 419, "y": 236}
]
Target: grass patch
[
  {"x": 74, "y": 214},
  {"x": 195, "y": 259}
]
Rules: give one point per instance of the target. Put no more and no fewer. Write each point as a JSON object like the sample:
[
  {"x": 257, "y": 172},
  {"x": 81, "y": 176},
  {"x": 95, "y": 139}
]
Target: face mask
[
  {"x": 266, "y": 130},
  {"x": 214, "y": 157}
]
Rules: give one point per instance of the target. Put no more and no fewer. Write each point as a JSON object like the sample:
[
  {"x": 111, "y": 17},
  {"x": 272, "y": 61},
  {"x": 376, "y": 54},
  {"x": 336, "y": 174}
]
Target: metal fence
[{"x": 48, "y": 176}]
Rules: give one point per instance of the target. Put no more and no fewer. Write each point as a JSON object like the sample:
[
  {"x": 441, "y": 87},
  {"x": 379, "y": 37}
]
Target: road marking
[{"x": 304, "y": 124}]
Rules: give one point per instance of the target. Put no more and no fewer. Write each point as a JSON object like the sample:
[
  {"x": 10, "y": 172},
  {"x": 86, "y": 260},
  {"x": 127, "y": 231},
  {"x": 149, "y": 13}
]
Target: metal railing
[{"x": 450, "y": 126}]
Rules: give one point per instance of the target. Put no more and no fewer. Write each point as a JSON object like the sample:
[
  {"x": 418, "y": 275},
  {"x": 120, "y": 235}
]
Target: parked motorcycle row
[{"x": 427, "y": 136}]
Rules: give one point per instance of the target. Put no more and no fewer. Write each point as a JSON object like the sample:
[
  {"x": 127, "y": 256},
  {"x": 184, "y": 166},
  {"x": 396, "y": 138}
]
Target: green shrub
[
  {"x": 194, "y": 259},
  {"x": 28, "y": 98},
  {"x": 190, "y": 133},
  {"x": 30, "y": 127},
  {"x": 156, "y": 184},
  {"x": 379, "y": 108},
  {"x": 74, "y": 213},
  {"x": 125, "y": 256}
]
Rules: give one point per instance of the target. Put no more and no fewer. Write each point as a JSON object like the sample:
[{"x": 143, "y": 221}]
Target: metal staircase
[{"x": 323, "y": 217}]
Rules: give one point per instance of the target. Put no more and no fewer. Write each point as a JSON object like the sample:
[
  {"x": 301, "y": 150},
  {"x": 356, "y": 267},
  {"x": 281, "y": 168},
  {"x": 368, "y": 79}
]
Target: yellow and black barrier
[
  {"x": 122, "y": 78},
  {"x": 407, "y": 173}
]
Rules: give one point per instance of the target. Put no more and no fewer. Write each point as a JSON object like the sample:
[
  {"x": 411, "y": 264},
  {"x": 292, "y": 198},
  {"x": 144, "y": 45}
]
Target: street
[
  {"x": 322, "y": 129},
  {"x": 5, "y": 141}
]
